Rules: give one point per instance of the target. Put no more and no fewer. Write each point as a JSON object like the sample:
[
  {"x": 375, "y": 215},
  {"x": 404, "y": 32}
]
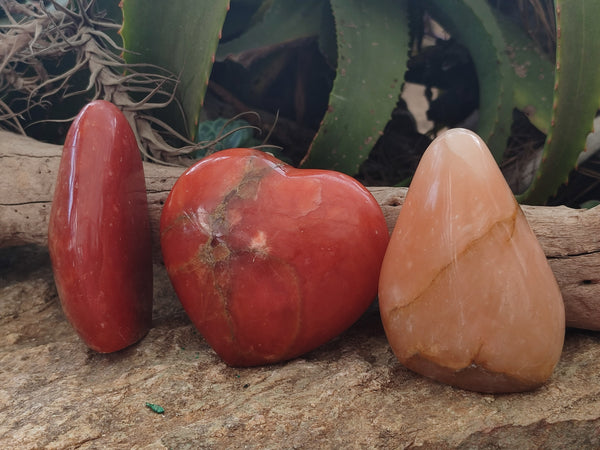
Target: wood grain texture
[
  {"x": 570, "y": 238},
  {"x": 350, "y": 393}
]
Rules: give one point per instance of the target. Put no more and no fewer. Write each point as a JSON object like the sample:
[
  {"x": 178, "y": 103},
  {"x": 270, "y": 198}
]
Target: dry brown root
[{"x": 43, "y": 33}]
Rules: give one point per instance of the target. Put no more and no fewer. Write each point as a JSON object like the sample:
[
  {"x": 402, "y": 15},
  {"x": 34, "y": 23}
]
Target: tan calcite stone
[{"x": 466, "y": 294}]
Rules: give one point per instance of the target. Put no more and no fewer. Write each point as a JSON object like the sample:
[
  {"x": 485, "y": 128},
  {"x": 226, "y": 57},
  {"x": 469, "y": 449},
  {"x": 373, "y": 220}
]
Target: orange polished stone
[{"x": 466, "y": 294}]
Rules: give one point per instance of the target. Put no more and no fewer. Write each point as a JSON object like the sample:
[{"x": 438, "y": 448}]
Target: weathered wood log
[
  {"x": 570, "y": 238},
  {"x": 28, "y": 170}
]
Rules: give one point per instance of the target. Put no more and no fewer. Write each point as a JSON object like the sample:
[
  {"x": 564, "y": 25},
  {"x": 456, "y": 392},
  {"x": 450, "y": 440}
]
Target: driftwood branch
[{"x": 570, "y": 238}]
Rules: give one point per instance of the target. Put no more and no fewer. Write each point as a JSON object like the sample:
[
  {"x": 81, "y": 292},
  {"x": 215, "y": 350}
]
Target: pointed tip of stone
[
  {"x": 466, "y": 145},
  {"x": 461, "y": 154},
  {"x": 456, "y": 138}
]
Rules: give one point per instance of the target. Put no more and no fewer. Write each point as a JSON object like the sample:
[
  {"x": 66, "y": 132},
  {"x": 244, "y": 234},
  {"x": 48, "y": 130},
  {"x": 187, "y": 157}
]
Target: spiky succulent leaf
[
  {"x": 372, "y": 50},
  {"x": 532, "y": 73},
  {"x": 180, "y": 37},
  {"x": 283, "y": 21},
  {"x": 576, "y": 95},
  {"x": 474, "y": 25}
]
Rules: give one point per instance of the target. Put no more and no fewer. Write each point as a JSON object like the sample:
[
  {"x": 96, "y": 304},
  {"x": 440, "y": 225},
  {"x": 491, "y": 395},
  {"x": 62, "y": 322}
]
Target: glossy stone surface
[
  {"x": 466, "y": 294},
  {"x": 99, "y": 231},
  {"x": 269, "y": 261}
]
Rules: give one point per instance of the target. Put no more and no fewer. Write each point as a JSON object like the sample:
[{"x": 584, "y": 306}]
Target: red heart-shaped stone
[{"x": 270, "y": 261}]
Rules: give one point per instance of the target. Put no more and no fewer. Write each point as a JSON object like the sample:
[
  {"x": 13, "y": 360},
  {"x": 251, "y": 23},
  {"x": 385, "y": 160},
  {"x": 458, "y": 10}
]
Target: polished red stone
[
  {"x": 466, "y": 294},
  {"x": 270, "y": 261},
  {"x": 99, "y": 232}
]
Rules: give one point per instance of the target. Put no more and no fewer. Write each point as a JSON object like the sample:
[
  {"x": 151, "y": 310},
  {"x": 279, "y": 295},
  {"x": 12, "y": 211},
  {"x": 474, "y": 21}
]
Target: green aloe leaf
[
  {"x": 372, "y": 51},
  {"x": 532, "y": 74},
  {"x": 474, "y": 25},
  {"x": 283, "y": 21},
  {"x": 179, "y": 36},
  {"x": 576, "y": 95}
]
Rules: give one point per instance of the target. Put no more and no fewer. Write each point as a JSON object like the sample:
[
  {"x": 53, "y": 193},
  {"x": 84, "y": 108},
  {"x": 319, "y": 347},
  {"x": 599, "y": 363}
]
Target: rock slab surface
[{"x": 349, "y": 393}]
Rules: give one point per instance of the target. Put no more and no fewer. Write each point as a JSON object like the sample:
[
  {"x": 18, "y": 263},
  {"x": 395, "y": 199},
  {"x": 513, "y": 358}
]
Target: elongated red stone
[
  {"x": 466, "y": 294},
  {"x": 99, "y": 231}
]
